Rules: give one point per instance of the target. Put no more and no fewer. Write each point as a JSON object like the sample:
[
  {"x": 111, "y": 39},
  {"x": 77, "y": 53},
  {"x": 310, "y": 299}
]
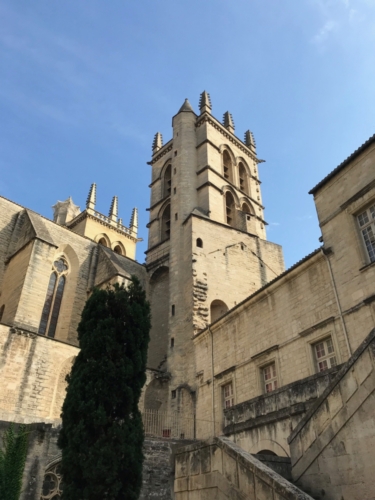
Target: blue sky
[{"x": 86, "y": 84}]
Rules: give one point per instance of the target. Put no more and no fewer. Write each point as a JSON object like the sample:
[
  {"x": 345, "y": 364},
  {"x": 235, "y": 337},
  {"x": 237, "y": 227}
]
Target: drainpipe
[
  {"x": 338, "y": 302},
  {"x": 212, "y": 378}
]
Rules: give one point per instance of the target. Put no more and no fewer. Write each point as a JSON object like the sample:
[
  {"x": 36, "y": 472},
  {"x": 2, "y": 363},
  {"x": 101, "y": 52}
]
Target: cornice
[
  {"x": 207, "y": 167},
  {"x": 205, "y": 117},
  {"x": 162, "y": 152},
  {"x": 160, "y": 202},
  {"x": 208, "y": 183}
]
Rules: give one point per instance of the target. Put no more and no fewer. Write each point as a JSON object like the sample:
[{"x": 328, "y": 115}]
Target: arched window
[
  {"x": 167, "y": 181},
  {"x": 166, "y": 223},
  {"x": 52, "y": 304},
  {"x": 229, "y": 208},
  {"x": 119, "y": 250},
  {"x": 245, "y": 208},
  {"x": 103, "y": 242},
  {"x": 244, "y": 184},
  {"x": 199, "y": 243},
  {"x": 228, "y": 166},
  {"x": 218, "y": 309}
]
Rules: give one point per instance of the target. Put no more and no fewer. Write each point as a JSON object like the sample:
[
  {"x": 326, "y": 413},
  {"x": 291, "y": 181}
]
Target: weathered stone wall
[
  {"x": 265, "y": 422},
  {"x": 278, "y": 324},
  {"x": 219, "y": 469},
  {"x": 42, "y": 449},
  {"x": 333, "y": 447},
  {"x": 32, "y": 371},
  {"x": 338, "y": 203}
]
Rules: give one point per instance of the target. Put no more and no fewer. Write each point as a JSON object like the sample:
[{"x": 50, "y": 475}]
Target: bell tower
[{"x": 207, "y": 247}]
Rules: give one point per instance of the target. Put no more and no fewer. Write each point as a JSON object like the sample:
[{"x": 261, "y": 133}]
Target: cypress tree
[
  {"x": 12, "y": 462},
  {"x": 102, "y": 431}
]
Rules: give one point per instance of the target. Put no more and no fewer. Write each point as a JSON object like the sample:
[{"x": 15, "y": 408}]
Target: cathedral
[{"x": 260, "y": 380}]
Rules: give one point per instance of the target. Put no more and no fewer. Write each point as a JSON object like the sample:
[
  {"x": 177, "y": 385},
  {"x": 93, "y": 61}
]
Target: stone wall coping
[{"x": 340, "y": 375}]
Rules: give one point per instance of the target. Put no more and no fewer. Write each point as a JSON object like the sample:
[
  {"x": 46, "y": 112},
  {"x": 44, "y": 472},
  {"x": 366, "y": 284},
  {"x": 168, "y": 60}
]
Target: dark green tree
[
  {"x": 12, "y": 462},
  {"x": 102, "y": 432}
]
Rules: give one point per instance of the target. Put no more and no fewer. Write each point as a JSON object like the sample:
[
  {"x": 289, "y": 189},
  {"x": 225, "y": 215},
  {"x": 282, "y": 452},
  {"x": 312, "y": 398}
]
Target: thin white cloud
[{"x": 324, "y": 32}]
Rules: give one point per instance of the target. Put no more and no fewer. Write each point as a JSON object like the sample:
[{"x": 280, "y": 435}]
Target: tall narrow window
[
  {"x": 244, "y": 186},
  {"x": 228, "y": 396},
  {"x": 167, "y": 181},
  {"x": 269, "y": 377},
  {"x": 166, "y": 223},
  {"x": 324, "y": 354},
  {"x": 55, "y": 290},
  {"x": 366, "y": 221},
  {"x": 227, "y": 167},
  {"x": 229, "y": 208}
]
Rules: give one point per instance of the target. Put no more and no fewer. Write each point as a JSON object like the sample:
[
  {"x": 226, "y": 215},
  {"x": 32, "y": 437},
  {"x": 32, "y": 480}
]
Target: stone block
[
  {"x": 205, "y": 457},
  {"x": 348, "y": 386},
  {"x": 363, "y": 368},
  {"x": 263, "y": 490},
  {"x": 335, "y": 401},
  {"x": 181, "y": 465},
  {"x": 230, "y": 469},
  {"x": 246, "y": 482},
  {"x": 216, "y": 459}
]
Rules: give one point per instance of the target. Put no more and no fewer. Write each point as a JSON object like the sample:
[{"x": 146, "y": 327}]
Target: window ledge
[{"x": 364, "y": 268}]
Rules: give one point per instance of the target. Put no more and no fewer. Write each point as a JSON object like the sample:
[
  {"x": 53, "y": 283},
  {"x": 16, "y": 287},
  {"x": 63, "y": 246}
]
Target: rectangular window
[
  {"x": 173, "y": 393},
  {"x": 366, "y": 221},
  {"x": 324, "y": 354},
  {"x": 269, "y": 377},
  {"x": 175, "y": 216},
  {"x": 173, "y": 310},
  {"x": 228, "y": 396}
]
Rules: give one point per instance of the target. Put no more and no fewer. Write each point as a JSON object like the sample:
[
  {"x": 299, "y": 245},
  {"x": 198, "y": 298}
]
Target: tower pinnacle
[
  {"x": 250, "y": 141},
  {"x": 134, "y": 220},
  {"x": 157, "y": 142},
  {"x": 205, "y": 102},
  {"x": 113, "y": 211},
  {"x": 91, "y": 199},
  {"x": 228, "y": 122}
]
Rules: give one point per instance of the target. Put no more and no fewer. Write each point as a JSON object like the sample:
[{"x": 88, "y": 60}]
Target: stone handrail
[{"x": 219, "y": 468}]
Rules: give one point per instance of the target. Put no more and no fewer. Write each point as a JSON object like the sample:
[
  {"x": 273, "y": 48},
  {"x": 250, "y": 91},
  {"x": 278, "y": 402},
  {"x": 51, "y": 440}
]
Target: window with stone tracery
[
  {"x": 52, "y": 304},
  {"x": 52, "y": 483}
]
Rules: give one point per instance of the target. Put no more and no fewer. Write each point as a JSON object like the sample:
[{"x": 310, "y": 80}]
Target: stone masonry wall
[
  {"x": 333, "y": 447},
  {"x": 279, "y": 324},
  {"x": 219, "y": 469}
]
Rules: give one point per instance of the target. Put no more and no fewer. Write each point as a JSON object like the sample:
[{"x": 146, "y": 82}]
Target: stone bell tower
[{"x": 207, "y": 247}]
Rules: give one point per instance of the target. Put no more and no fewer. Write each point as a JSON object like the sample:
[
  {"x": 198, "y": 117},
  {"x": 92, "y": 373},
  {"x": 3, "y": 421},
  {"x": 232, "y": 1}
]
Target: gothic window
[
  {"x": 366, "y": 221},
  {"x": 117, "y": 249},
  {"x": 167, "y": 181},
  {"x": 229, "y": 208},
  {"x": 52, "y": 483},
  {"x": 52, "y": 304},
  {"x": 244, "y": 184},
  {"x": 166, "y": 223},
  {"x": 103, "y": 242},
  {"x": 269, "y": 377},
  {"x": 227, "y": 167},
  {"x": 324, "y": 354}
]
